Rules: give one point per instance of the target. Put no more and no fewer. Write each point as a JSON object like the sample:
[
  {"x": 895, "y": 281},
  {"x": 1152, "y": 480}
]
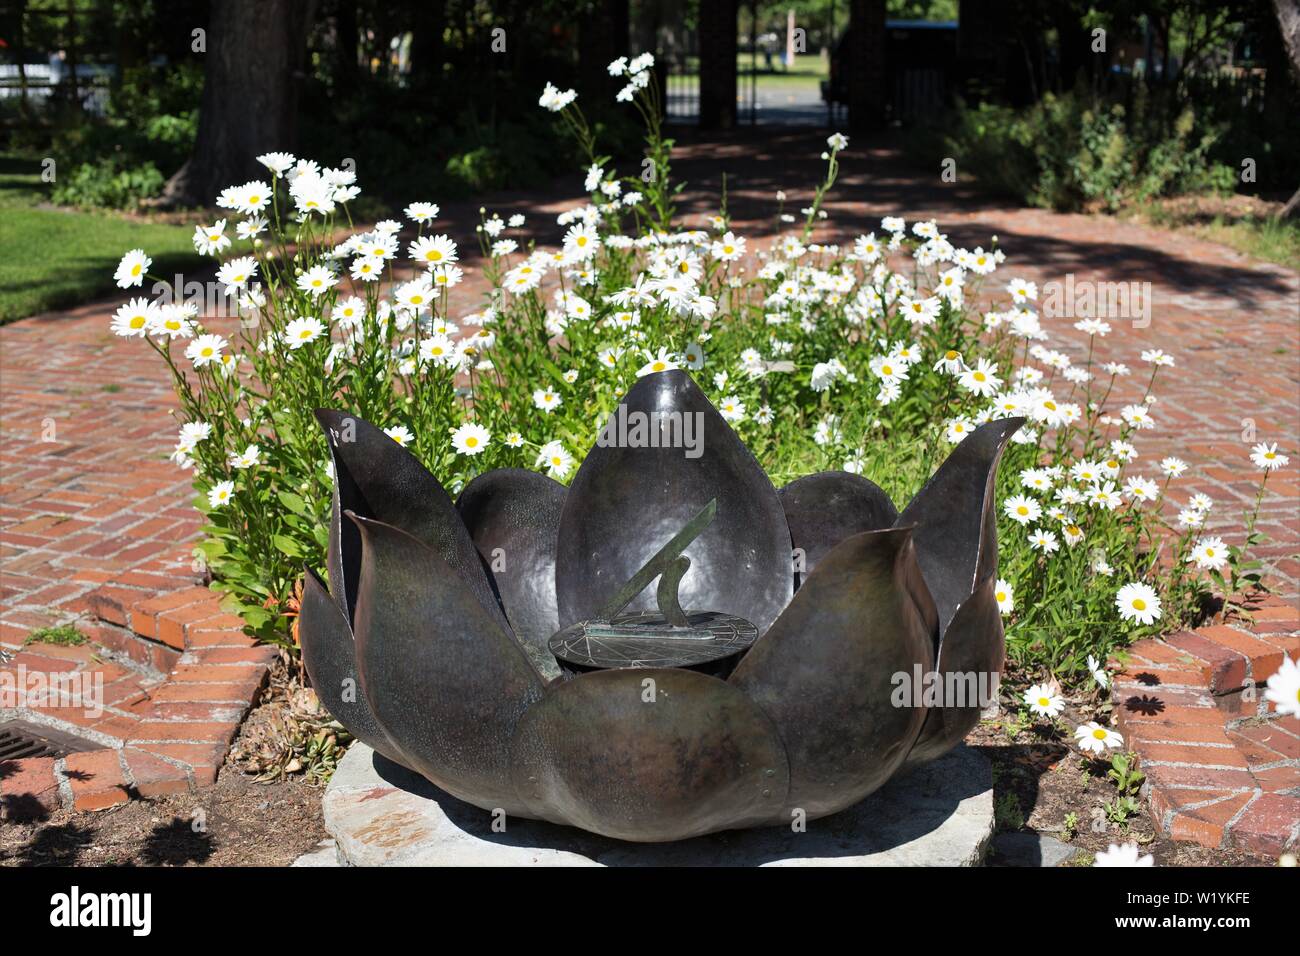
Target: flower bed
[{"x": 871, "y": 356}]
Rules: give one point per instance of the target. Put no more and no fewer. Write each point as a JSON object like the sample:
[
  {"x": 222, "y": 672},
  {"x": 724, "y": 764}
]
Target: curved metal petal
[
  {"x": 513, "y": 516},
  {"x": 956, "y": 520},
  {"x": 329, "y": 656},
  {"x": 649, "y": 754},
  {"x": 824, "y": 509},
  {"x": 378, "y": 478},
  {"x": 627, "y": 500},
  {"x": 445, "y": 681},
  {"x": 970, "y": 656},
  {"x": 826, "y": 671}
]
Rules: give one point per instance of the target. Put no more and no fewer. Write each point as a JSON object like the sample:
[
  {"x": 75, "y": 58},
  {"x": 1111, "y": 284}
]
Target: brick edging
[
  {"x": 179, "y": 674},
  {"x": 1222, "y": 766}
]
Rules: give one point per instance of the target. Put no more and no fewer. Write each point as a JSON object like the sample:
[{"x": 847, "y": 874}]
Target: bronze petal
[
  {"x": 825, "y": 672},
  {"x": 513, "y": 515},
  {"x": 972, "y": 650},
  {"x": 626, "y": 502},
  {"x": 649, "y": 754},
  {"x": 378, "y": 478},
  {"x": 956, "y": 518},
  {"x": 445, "y": 680},
  {"x": 329, "y": 656},
  {"x": 824, "y": 509}
]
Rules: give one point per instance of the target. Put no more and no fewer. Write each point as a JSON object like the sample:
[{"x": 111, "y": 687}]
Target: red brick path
[
  {"x": 1223, "y": 769},
  {"x": 97, "y": 503}
]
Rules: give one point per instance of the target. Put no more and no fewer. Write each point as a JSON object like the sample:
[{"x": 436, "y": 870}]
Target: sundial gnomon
[{"x": 669, "y": 637}]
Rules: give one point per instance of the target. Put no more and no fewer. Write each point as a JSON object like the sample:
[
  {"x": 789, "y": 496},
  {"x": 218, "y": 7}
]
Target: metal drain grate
[{"x": 20, "y": 739}]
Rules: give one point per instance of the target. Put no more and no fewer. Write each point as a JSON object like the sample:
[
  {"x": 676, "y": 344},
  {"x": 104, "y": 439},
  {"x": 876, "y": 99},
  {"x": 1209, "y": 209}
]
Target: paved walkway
[{"x": 87, "y": 497}]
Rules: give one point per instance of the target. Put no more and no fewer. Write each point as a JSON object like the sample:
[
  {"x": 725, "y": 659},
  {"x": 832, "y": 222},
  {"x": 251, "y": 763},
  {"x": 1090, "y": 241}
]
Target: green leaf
[{"x": 286, "y": 545}]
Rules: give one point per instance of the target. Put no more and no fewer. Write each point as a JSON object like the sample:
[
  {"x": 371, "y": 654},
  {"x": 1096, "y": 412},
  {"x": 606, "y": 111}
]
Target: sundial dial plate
[{"x": 646, "y": 639}]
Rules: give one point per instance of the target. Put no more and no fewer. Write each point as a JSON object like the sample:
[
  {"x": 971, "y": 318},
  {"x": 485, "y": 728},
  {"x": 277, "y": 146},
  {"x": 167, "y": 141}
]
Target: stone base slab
[{"x": 381, "y": 814}]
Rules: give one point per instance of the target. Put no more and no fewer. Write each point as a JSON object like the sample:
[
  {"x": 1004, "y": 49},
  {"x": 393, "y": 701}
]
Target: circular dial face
[{"x": 646, "y": 639}]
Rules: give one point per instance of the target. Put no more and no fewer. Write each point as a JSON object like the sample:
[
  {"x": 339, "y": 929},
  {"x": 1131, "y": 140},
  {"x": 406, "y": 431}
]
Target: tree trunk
[
  {"x": 428, "y": 22},
  {"x": 1288, "y": 20},
  {"x": 255, "y": 54}
]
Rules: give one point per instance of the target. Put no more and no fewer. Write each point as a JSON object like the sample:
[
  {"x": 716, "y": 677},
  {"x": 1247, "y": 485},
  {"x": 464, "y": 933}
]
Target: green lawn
[
  {"x": 808, "y": 70},
  {"x": 55, "y": 258}
]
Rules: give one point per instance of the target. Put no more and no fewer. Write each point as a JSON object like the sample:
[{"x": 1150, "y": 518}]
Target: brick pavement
[{"x": 88, "y": 501}]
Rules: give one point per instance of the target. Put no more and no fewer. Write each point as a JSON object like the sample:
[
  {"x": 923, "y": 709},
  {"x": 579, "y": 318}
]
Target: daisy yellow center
[
  {"x": 979, "y": 376},
  {"x": 887, "y": 369},
  {"x": 1050, "y": 406},
  {"x": 137, "y": 321},
  {"x": 433, "y": 255},
  {"x": 728, "y": 250},
  {"x": 950, "y": 355},
  {"x": 1044, "y": 701},
  {"x": 1073, "y": 529},
  {"x": 471, "y": 441},
  {"x": 1112, "y": 463},
  {"x": 316, "y": 283},
  {"x": 1022, "y": 510},
  {"x": 253, "y": 200},
  {"x": 1100, "y": 733},
  {"x": 658, "y": 366},
  {"x": 1002, "y": 595},
  {"x": 207, "y": 351},
  {"x": 172, "y": 324},
  {"x": 582, "y": 241},
  {"x": 556, "y": 460},
  {"x": 1270, "y": 454},
  {"x": 416, "y": 299},
  {"x": 305, "y": 334},
  {"x": 1139, "y": 604},
  {"x": 135, "y": 269}
]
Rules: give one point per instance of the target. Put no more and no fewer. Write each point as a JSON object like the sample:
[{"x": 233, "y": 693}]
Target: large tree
[
  {"x": 1288, "y": 20},
  {"x": 255, "y": 56}
]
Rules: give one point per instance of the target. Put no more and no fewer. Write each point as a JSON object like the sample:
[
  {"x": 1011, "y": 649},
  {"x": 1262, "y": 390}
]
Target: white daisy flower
[
  {"x": 1138, "y": 602},
  {"x": 1126, "y": 855},
  {"x": 1044, "y": 700},
  {"x": 470, "y": 438},
  {"x": 1284, "y": 688},
  {"x": 220, "y": 493},
  {"x": 1094, "y": 738},
  {"x": 1266, "y": 456},
  {"x": 1005, "y": 596},
  {"x": 1022, "y": 509},
  {"x": 131, "y": 270},
  {"x": 400, "y": 434},
  {"x": 303, "y": 330},
  {"x": 556, "y": 459}
]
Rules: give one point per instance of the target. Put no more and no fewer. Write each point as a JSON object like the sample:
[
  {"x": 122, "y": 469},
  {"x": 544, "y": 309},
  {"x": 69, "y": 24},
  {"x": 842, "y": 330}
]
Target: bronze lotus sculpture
[{"x": 508, "y": 646}]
